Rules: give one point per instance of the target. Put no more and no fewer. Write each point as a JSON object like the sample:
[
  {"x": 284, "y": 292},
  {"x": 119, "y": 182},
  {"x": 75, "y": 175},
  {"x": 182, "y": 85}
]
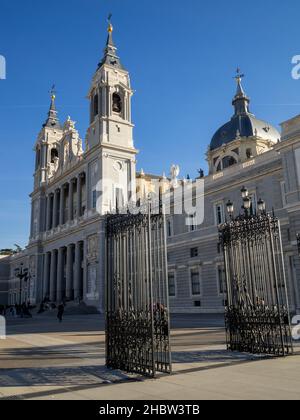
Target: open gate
[
  {"x": 137, "y": 298},
  {"x": 257, "y": 311}
]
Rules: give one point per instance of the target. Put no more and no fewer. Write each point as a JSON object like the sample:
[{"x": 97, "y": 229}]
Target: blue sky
[{"x": 182, "y": 57}]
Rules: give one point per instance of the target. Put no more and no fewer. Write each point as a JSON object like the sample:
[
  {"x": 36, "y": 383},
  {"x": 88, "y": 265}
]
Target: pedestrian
[
  {"x": 61, "y": 310},
  {"x": 12, "y": 312}
]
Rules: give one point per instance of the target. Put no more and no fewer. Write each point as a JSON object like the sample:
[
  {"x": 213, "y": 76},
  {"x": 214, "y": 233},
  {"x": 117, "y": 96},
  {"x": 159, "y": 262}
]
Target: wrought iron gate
[
  {"x": 137, "y": 298},
  {"x": 257, "y": 311}
]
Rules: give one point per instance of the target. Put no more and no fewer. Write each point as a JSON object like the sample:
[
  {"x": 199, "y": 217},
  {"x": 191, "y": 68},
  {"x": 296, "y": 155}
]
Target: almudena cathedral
[{"x": 75, "y": 186}]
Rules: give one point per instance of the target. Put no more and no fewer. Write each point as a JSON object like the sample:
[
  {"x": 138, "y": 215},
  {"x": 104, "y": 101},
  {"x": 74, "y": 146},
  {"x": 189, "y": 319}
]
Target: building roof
[
  {"x": 243, "y": 123},
  {"x": 52, "y": 120},
  {"x": 110, "y": 53}
]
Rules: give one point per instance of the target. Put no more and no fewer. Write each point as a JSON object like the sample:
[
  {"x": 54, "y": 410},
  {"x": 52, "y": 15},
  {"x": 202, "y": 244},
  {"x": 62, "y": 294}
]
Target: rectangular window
[
  {"x": 94, "y": 199},
  {"x": 253, "y": 199},
  {"x": 172, "y": 285},
  {"x": 283, "y": 193},
  {"x": 195, "y": 280},
  {"x": 194, "y": 252},
  {"x": 169, "y": 228},
  {"x": 222, "y": 280},
  {"x": 219, "y": 214},
  {"x": 119, "y": 198}
]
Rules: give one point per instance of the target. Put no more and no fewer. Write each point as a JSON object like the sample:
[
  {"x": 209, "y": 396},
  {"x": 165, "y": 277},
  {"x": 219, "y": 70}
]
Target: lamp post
[
  {"x": 298, "y": 243},
  {"x": 21, "y": 274}
]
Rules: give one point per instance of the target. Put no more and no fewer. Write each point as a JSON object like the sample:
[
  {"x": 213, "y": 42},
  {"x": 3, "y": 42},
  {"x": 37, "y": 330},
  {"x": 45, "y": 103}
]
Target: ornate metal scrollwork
[
  {"x": 137, "y": 315},
  {"x": 257, "y": 314}
]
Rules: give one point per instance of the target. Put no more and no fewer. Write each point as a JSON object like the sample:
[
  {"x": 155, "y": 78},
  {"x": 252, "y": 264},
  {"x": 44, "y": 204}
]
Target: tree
[{"x": 7, "y": 251}]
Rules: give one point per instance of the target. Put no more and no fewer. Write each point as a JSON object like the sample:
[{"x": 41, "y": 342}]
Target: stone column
[
  {"x": 85, "y": 269},
  {"x": 62, "y": 206},
  {"x": 46, "y": 279},
  {"x": 79, "y": 195},
  {"x": 60, "y": 275},
  {"x": 69, "y": 285},
  {"x": 51, "y": 202},
  {"x": 126, "y": 106},
  {"x": 71, "y": 193},
  {"x": 48, "y": 216},
  {"x": 55, "y": 209},
  {"x": 53, "y": 274},
  {"x": 78, "y": 271}
]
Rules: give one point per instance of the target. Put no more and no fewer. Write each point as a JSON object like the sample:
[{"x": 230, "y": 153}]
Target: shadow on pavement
[
  {"x": 60, "y": 376},
  {"x": 92, "y": 323},
  {"x": 210, "y": 356}
]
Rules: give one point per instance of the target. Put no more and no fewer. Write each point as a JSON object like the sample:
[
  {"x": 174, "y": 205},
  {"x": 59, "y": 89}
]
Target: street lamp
[
  {"x": 298, "y": 243},
  {"x": 230, "y": 208},
  {"x": 247, "y": 205},
  {"x": 261, "y": 206},
  {"x": 245, "y": 193}
]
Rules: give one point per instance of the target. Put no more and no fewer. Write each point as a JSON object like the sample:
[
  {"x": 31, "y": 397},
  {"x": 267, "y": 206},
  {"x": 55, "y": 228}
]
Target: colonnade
[
  {"x": 64, "y": 273},
  {"x": 66, "y": 203}
]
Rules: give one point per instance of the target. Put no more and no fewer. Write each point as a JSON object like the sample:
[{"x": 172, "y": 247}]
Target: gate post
[{"x": 150, "y": 277}]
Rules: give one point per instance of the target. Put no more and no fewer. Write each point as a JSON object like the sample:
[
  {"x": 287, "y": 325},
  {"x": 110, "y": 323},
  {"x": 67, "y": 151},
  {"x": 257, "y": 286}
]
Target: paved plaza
[{"x": 42, "y": 359}]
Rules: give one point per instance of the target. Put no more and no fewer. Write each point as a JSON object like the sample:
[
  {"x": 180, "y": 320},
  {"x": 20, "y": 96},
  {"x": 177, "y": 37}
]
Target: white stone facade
[{"x": 74, "y": 188}]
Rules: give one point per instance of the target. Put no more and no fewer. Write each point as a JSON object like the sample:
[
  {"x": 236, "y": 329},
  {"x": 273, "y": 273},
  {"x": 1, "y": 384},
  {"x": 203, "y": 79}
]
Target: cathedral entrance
[
  {"x": 257, "y": 313},
  {"x": 137, "y": 301}
]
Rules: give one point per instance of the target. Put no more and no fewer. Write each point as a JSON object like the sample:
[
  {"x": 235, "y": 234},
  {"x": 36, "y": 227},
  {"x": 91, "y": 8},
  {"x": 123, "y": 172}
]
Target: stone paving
[{"x": 42, "y": 359}]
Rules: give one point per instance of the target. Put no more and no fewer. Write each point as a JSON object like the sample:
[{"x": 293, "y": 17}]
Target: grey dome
[{"x": 243, "y": 123}]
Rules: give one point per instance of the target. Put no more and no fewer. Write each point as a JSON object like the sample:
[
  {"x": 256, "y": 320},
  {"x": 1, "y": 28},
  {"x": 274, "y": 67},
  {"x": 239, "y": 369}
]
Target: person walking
[{"x": 60, "y": 313}]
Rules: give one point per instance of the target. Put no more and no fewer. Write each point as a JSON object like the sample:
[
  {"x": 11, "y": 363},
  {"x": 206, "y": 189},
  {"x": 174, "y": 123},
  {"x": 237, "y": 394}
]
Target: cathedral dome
[{"x": 243, "y": 123}]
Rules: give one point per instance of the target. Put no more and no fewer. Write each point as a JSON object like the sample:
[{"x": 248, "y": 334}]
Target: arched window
[
  {"x": 117, "y": 103},
  {"x": 228, "y": 161},
  {"x": 96, "y": 105},
  {"x": 54, "y": 155},
  {"x": 38, "y": 158}
]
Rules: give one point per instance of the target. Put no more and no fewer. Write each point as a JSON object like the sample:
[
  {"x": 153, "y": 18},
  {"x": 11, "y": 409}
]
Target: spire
[
  {"x": 241, "y": 100},
  {"x": 52, "y": 120},
  {"x": 110, "y": 52}
]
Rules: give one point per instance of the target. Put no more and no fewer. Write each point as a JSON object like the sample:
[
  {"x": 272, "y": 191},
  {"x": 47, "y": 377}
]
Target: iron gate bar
[
  {"x": 257, "y": 313},
  {"x": 137, "y": 301}
]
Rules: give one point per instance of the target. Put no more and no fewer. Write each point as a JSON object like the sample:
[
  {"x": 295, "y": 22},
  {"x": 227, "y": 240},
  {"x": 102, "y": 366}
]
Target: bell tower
[
  {"x": 111, "y": 129},
  {"x": 45, "y": 149},
  {"x": 49, "y": 135}
]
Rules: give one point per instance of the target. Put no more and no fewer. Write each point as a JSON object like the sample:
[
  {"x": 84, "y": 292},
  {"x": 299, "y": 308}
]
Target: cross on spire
[
  {"x": 53, "y": 91},
  {"x": 110, "y": 53},
  {"x": 52, "y": 120},
  {"x": 239, "y": 76},
  {"x": 110, "y": 26},
  {"x": 240, "y": 101}
]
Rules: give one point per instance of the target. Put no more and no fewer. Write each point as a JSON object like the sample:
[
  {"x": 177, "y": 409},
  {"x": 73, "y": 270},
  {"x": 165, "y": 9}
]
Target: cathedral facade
[{"x": 76, "y": 185}]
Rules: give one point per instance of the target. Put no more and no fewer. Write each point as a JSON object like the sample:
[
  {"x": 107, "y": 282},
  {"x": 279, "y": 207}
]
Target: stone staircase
[{"x": 71, "y": 308}]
